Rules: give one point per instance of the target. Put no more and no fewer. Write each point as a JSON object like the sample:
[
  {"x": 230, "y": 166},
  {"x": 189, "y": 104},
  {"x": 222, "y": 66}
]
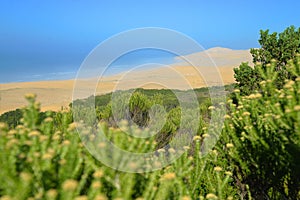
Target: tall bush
[
  {"x": 282, "y": 47},
  {"x": 264, "y": 128}
]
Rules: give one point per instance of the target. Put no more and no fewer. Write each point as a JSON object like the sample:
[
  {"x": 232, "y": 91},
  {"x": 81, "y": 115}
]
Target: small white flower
[
  {"x": 229, "y": 145},
  {"x": 218, "y": 169}
]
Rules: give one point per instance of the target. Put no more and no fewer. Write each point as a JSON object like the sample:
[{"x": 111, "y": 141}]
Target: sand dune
[
  {"x": 54, "y": 95},
  {"x": 220, "y": 57}
]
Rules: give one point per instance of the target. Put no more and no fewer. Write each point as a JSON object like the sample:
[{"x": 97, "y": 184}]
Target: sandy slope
[{"x": 54, "y": 95}]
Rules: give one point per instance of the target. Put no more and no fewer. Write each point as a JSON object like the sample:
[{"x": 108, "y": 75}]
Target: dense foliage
[
  {"x": 12, "y": 118},
  {"x": 281, "y": 47},
  {"x": 264, "y": 128},
  {"x": 44, "y": 161}
]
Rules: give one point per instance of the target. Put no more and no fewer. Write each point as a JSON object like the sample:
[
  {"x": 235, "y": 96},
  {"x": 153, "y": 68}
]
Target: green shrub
[
  {"x": 12, "y": 118},
  {"x": 281, "y": 47},
  {"x": 48, "y": 161},
  {"x": 264, "y": 128}
]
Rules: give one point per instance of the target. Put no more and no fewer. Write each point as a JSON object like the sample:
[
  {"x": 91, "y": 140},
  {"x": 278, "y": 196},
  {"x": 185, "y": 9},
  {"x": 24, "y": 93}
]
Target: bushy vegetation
[
  {"x": 43, "y": 161},
  {"x": 256, "y": 156},
  {"x": 12, "y": 118},
  {"x": 281, "y": 47},
  {"x": 264, "y": 128}
]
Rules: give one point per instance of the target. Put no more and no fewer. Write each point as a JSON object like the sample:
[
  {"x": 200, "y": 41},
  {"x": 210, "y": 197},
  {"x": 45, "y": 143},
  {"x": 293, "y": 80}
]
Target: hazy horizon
[
  {"x": 122, "y": 64},
  {"x": 46, "y": 41}
]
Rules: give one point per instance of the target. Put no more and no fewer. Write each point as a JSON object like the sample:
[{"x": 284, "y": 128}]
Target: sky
[{"x": 42, "y": 40}]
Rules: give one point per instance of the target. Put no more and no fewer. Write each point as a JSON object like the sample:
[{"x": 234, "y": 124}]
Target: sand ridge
[{"x": 56, "y": 95}]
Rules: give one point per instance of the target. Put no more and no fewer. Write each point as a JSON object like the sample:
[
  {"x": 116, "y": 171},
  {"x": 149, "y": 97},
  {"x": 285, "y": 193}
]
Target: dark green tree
[
  {"x": 247, "y": 77},
  {"x": 12, "y": 118},
  {"x": 281, "y": 47}
]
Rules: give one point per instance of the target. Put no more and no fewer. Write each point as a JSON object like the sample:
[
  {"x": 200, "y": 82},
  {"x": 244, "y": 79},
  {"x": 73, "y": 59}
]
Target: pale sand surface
[{"x": 54, "y": 95}]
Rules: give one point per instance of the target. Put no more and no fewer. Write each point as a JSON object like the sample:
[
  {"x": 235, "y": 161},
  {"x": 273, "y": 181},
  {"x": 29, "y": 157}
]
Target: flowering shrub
[
  {"x": 48, "y": 161},
  {"x": 264, "y": 130}
]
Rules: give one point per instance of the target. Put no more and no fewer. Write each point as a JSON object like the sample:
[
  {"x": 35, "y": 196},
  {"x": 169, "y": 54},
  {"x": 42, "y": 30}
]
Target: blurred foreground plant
[
  {"x": 48, "y": 161},
  {"x": 264, "y": 130}
]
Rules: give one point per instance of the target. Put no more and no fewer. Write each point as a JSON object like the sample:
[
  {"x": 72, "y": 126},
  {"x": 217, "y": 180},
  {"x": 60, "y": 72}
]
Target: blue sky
[{"x": 50, "y": 39}]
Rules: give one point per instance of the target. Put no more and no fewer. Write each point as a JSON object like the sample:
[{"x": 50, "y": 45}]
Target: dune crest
[{"x": 54, "y": 95}]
